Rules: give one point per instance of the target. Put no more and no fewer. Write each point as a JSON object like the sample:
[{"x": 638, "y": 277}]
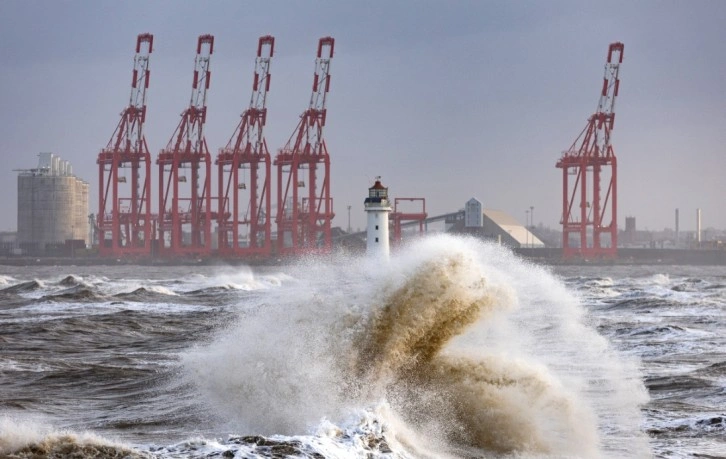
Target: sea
[{"x": 452, "y": 348}]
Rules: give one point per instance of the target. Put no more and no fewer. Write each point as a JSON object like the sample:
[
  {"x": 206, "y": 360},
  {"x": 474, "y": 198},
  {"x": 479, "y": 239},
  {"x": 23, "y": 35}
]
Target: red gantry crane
[
  {"x": 400, "y": 216},
  {"x": 244, "y": 220},
  {"x": 124, "y": 170},
  {"x": 185, "y": 206},
  {"x": 586, "y": 211},
  {"x": 304, "y": 205}
]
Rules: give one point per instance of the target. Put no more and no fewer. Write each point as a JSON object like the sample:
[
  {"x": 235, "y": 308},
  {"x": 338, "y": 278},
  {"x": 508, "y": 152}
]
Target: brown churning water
[{"x": 480, "y": 401}]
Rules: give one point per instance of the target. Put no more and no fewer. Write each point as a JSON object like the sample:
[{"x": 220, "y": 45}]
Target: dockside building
[{"x": 52, "y": 207}]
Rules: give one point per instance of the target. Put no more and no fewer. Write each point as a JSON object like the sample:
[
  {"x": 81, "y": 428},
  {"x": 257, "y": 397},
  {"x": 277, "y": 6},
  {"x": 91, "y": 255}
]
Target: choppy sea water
[{"x": 453, "y": 348}]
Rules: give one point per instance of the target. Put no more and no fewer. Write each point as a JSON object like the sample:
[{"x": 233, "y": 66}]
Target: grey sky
[{"x": 445, "y": 100}]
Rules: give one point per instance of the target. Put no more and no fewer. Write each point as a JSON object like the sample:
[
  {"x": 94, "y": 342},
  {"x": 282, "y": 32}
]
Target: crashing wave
[{"x": 440, "y": 335}]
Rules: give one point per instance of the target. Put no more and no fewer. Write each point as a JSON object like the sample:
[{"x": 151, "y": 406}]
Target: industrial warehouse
[{"x": 246, "y": 217}]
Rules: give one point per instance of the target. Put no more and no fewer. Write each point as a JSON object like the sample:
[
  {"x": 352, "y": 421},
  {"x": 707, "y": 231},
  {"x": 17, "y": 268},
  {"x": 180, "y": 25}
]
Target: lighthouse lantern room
[{"x": 378, "y": 207}]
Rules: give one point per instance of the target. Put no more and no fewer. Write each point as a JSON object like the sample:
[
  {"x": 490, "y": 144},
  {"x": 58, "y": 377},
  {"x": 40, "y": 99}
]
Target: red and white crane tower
[
  {"x": 244, "y": 202},
  {"x": 304, "y": 204},
  {"x": 586, "y": 210},
  {"x": 124, "y": 215},
  {"x": 185, "y": 205}
]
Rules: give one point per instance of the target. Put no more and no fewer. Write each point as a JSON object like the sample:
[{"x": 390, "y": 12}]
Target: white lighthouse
[{"x": 377, "y": 206}]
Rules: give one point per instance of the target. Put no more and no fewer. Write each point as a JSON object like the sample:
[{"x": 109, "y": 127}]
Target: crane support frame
[
  {"x": 304, "y": 203},
  {"x": 398, "y": 217},
  {"x": 185, "y": 206},
  {"x": 589, "y": 209},
  {"x": 244, "y": 220},
  {"x": 124, "y": 221}
]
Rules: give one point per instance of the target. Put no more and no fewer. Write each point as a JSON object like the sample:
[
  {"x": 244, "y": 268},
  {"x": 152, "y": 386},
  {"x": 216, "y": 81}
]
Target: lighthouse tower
[{"x": 377, "y": 206}]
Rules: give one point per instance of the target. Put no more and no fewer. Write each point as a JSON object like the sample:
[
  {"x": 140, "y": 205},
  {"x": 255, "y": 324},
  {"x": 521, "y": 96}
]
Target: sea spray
[
  {"x": 25, "y": 439},
  {"x": 471, "y": 349},
  {"x": 439, "y": 300}
]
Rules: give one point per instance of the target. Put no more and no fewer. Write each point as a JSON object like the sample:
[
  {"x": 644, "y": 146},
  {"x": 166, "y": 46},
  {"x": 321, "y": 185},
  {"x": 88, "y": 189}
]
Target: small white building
[{"x": 377, "y": 206}]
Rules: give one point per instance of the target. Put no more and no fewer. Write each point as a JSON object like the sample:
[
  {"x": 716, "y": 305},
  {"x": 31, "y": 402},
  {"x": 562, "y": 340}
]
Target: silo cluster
[{"x": 52, "y": 206}]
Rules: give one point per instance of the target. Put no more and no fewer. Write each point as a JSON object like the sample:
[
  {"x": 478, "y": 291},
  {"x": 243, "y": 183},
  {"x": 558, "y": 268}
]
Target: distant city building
[
  {"x": 9, "y": 243},
  {"x": 52, "y": 206},
  {"x": 630, "y": 231}
]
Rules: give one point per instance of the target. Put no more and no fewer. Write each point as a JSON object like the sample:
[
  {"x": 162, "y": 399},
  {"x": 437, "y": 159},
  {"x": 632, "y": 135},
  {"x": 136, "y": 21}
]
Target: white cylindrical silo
[
  {"x": 45, "y": 162},
  {"x": 45, "y": 209}
]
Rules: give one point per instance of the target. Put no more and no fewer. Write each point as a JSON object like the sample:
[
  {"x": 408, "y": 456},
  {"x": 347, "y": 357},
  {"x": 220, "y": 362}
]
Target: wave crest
[
  {"x": 25, "y": 439},
  {"x": 441, "y": 299},
  {"x": 482, "y": 401},
  {"x": 473, "y": 350}
]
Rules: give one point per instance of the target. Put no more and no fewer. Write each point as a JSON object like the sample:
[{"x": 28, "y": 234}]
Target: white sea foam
[
  {"x": 8, "y": 364},
  {"x": 16, "y": 433},
  {"x": 469, "y": 346},
  {"x": 243, "y": 278},
  {"x": 7, "y": 280},
  {"x": 161, "y": 289},
  {"x": 21, "y": 437}
]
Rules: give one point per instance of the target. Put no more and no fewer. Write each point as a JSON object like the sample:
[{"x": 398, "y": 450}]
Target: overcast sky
[{"x": 446, "y": 100}]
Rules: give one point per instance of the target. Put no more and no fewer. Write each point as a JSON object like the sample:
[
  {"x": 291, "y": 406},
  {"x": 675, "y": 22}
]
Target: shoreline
[{"x": 545, "y": 256}]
